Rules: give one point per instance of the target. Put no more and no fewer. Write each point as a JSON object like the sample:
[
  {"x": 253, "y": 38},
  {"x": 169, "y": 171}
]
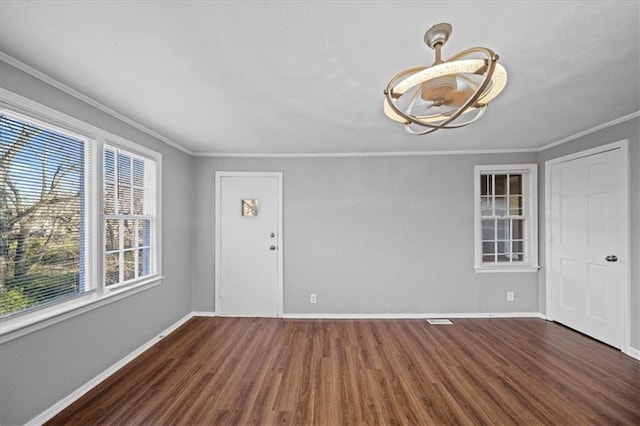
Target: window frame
[
  {"x": 529, "y": 214},
  {"x": 89, "y": 201},
  {"x": 121, "y": 217},
  {"x": 23, "y": 323}
]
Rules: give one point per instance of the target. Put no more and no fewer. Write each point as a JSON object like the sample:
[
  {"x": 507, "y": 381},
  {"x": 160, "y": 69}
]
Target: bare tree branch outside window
[{"x": 41, "y": 181}]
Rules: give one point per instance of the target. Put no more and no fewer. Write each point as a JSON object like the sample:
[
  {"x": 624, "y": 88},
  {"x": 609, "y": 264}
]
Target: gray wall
[
  {"x": 372, "y": 235},
  {"x": 628, "y": 130},
  {"x": 368, "y": 235},
  {"x": 395, "y": 234},
  {"x": 41, "y": 368}
]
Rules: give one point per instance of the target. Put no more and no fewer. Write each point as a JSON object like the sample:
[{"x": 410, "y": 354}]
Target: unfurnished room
[{"x": 319, "y": 212}]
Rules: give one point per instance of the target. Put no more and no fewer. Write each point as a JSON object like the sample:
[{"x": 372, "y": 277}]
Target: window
[
  {"x": 128, "y": 216},
  {"x": 42, "y": 214},
  {"x": 505, "y": 218},
  {"x": 78, "y": 215}
]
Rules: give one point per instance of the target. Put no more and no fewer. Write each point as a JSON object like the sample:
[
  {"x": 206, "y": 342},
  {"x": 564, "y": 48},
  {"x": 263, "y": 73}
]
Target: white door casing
[
  {"x": 248, "y": 251},
  {"x": 587, "y": 221}
]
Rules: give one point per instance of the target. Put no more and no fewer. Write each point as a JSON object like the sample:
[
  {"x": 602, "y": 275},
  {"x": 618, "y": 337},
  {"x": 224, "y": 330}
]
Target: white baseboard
[
  {"x": 74, "y": 396},
  {"x": 418, "y": 316},
  {"x": 633, "y": 353},
  {"x": 203, "y": 314}
]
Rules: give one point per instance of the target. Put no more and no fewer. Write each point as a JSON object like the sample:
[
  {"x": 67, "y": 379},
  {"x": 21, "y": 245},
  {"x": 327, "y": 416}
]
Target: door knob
[
  {"x": 272, "y": 235},
  {"x": 272, "y": 247},
  {"x": 611, "y": 258}
]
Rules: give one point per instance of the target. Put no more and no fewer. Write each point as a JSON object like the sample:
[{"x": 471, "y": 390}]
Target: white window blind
[
  {"x": 79, "y": 217},
  {"x": 44, "y": 250}
]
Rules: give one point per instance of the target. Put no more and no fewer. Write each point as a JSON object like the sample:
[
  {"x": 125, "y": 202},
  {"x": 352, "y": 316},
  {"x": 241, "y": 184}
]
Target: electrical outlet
[
  {"x": 510, "y": 296},
  {"x": 313, "y": 298}
]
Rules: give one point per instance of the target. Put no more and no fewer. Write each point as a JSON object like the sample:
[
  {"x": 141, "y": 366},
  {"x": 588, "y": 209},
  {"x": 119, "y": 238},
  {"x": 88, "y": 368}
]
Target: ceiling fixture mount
[{"x": 448, "y": 94}]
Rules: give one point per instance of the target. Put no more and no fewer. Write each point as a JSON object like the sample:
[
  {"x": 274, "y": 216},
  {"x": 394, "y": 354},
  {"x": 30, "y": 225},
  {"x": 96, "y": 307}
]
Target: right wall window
[{"x": 506, "y": 231}]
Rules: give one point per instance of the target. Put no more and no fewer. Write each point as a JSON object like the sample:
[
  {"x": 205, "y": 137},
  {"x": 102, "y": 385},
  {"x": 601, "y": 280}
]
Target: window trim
[
  {"x": 21, "y": 324},
  {"x": 531, "y": 219},
  {"x": 154, "y": 260}
]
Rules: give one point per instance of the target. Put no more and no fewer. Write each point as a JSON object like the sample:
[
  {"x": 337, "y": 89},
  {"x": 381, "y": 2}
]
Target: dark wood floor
[{"x": 274, "y": 371}]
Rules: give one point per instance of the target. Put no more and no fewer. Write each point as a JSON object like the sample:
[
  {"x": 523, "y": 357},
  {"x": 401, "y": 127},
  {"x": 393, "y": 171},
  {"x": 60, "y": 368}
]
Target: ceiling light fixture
[{"x": 448, "y": 94}]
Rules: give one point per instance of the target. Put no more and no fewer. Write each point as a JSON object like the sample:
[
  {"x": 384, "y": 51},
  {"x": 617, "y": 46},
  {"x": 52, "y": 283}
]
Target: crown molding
[
  {"x": 590, "y": 131},
  {"x": 86, "y": 99},
  {"x": 364, "y": 154},
  {"x": 427, "y": 153}
]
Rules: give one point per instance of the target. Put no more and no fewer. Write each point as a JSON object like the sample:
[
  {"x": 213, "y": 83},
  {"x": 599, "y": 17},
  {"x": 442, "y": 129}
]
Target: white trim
[
  {"x": 417, "y": 315},
  {"x": 530, "y": 263},
  {"x": 204, "y": 314},
  {"x": 632, "y": 352},
  {"x": 78, "y": 393},
  {"x": 88, "y": 100},
  {"x": 588, "y": 152},
  {"x": 424, "y": 153},
  {"x": 26, "y": 324},
  {"x": 30, "y": 119},
  {"x": 279, "y": 239},
  {"x": 21, "y": 324},
  {"x": 623, "y": 145},
  {"x": 49, "y": 413},
  {"x": 22, "y": 105},
  {"x": 364, "y": 154},
  {"x": 84, "y": 98},
  {"x": 591, "y": 130},
  {"x": 153, "y": 168},
  {"x": 503, "y": 269}
]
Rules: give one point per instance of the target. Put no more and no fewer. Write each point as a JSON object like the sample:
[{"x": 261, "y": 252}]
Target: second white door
[
  {"x": 588, "y": 219},
  {"x": 248, "y": 252}
]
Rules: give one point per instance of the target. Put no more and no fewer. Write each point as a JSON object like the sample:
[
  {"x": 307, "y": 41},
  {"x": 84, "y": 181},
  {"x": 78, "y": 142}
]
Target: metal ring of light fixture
[{"x": 430, "y": 89}]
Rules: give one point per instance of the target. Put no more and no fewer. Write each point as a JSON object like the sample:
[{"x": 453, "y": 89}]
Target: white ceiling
[{"x": 307, "y": 77}]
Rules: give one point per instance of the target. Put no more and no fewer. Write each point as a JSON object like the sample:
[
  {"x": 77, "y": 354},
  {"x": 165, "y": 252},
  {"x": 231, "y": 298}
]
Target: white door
[
  {"x": 248, "y": 251},
  {"x": 588, "y": 244}
]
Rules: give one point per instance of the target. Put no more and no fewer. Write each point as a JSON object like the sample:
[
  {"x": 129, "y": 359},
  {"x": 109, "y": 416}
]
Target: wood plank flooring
[{"x": 241, "y": 371}]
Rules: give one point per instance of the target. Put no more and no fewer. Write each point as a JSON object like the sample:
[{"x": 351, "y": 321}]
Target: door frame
[
  {"x": 218, "y": 229},
  {"x": 623, "y": 146}
]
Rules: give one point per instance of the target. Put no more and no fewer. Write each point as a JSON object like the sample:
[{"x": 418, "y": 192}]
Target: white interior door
[
  {"x": 588, "y": 244},
  {"x": 248, "y": 251}
]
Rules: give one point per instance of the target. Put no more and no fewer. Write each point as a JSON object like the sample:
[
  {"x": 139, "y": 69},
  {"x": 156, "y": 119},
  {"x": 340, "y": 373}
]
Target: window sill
[
  {"x": 507, "y": 269},
  {"x": 22, "y": 325}
]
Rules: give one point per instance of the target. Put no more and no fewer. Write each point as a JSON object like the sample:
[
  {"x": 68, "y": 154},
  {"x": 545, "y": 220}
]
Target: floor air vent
[{"x": 439, "y": 321}]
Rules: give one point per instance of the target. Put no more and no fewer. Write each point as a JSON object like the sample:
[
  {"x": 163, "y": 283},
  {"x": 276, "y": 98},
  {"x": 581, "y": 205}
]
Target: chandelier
[{"x": 448, "y": 94}]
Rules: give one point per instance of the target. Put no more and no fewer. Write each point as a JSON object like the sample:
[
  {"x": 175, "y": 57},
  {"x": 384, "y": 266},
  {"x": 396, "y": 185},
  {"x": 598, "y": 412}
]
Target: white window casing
[
  {"x": 505, "y": 218},
  {"x": 146, "y": 246}
]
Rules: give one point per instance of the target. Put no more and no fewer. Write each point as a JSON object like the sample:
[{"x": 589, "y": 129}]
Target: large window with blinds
[
  {"x": 78, "y": 215},
  {"x": 43, "y": 211},
  {"x": 505, "y": 218}
]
